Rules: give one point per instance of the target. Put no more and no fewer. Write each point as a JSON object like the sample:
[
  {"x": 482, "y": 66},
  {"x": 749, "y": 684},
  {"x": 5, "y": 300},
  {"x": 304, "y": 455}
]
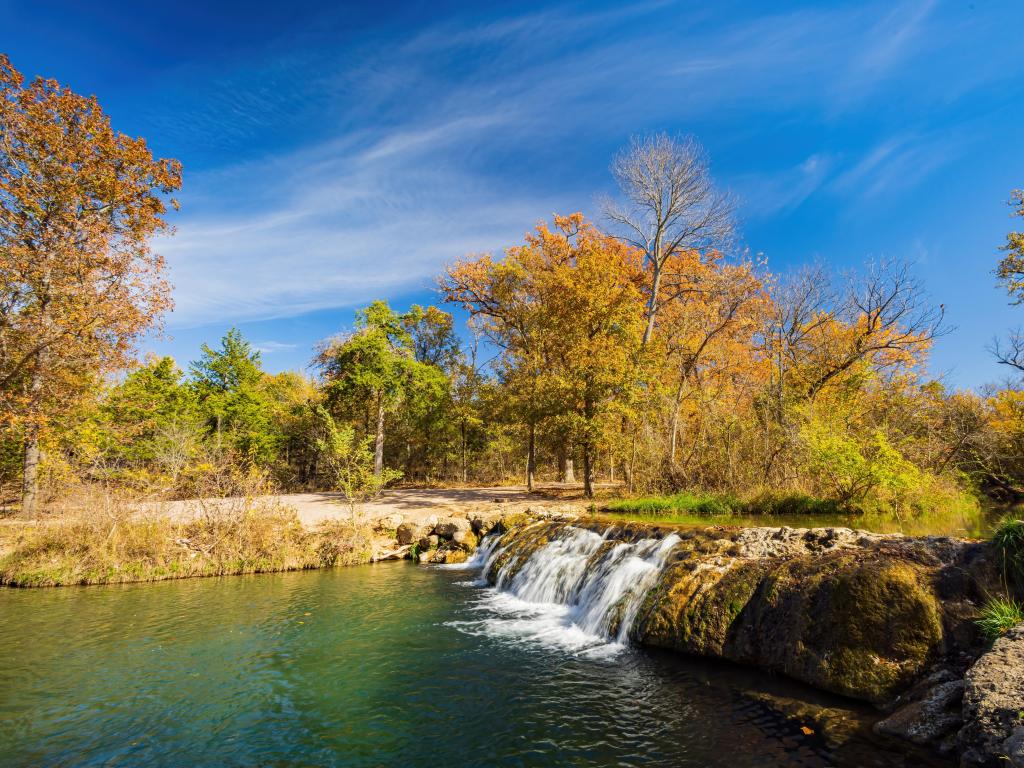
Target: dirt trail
[{"x": 413, "y": 504}]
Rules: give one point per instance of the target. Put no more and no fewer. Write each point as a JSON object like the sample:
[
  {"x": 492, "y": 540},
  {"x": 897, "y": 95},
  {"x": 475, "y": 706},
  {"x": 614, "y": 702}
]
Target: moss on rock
[{"x": 848, "y": 621}]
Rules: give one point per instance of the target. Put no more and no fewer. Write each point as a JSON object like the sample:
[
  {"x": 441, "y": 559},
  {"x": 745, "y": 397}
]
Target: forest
[{"x": 637, "y": 351}]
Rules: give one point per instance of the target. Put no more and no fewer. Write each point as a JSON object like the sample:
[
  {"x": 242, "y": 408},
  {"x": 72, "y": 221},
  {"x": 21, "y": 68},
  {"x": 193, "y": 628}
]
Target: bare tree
[
  {"x": 888, "y": 314},
  {"x": 1010, "y": 352},
  {"x": 671, "y": 205}
]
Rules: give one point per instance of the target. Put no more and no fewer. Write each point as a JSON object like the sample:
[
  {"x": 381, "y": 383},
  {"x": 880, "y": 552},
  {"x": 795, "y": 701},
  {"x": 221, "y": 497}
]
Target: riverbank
[{"x": 107, "y": 542}]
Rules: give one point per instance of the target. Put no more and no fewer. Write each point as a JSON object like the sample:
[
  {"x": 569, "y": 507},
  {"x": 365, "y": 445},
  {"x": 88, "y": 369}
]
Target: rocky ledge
[{"x": 886, "y": 619}]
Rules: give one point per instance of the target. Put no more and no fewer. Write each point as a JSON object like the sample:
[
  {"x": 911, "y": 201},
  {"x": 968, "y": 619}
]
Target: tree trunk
[
  {"x": 588, "y": 472},
  {"x": 30, "y": 475},
  {"x": 566, "y": 470},
  {"x": 652, "y": 303},
  {"x": 674, "y": 429},
  {"x": 588, "y": 462},
  {"x": 465, "y": 463},
  {"x": 531, "y": 457},
  {"x": 378, "y": 448},
  {"x": 33, "y": 453}
]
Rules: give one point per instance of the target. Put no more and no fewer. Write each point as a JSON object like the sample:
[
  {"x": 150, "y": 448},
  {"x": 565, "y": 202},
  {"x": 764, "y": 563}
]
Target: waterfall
[{"x": 578, "y": 588}]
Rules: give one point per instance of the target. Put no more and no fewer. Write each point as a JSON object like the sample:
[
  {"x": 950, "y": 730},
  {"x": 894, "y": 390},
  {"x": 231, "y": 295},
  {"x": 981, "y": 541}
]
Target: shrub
[{"x": 123, "y": 543}]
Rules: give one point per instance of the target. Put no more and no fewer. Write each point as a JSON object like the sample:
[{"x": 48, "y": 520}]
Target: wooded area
[{"x": 643, "y": 349}]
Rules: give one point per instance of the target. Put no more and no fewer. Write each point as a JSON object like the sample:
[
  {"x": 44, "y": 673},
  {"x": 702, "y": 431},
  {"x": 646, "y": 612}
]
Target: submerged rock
[{"x": 930, "y": 719}]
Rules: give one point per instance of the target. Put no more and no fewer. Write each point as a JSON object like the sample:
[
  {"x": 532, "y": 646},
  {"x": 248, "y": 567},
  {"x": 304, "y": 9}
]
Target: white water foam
[{"x": 579, "y": 592}]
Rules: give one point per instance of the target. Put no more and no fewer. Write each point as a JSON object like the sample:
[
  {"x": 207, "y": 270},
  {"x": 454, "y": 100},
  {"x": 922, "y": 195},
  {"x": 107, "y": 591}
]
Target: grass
[
  {"x": 102, "y": 547},
  {"x": 1009, "y": 540},
  {"x": 724, "y": 505},
  {"x": 999, "y": 616}
]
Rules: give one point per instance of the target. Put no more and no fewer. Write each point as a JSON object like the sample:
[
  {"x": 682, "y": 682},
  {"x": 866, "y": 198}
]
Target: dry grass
[{"x": 107, "y": 539}]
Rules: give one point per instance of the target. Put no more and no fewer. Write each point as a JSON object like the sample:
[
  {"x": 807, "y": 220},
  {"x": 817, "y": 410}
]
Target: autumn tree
[
  {"x": 1010, "y": 269},
  {"x": 79, "y": 284},
  {"x": 671, "y": 205},
  {"x": 499, "y": 297},
  {"x": 708, "y": 328},
  {"x": 566, "y": 306}
]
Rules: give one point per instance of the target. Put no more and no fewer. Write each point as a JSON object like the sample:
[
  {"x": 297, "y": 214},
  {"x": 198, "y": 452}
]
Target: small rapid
[{"x": 579, "y": 589}]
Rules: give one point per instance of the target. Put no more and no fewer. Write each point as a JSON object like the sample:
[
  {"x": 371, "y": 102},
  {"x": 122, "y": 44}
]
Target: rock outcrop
[
  {"x": 887, "y": 619},
  {"x": 993, "y": 706}
]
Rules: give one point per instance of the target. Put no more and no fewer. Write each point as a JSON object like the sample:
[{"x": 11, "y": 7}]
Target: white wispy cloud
[
  {"x": 452, "y": 139},
  {"x": 269, "y": 347},
  {"x": 782, "y": 191}
]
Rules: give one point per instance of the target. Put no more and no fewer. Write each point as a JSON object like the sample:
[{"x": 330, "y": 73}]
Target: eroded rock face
[{"x": 993, "y": 706}]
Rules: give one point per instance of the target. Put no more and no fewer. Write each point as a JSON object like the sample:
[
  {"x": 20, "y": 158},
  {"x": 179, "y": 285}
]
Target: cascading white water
[{"x": 580, "y": 589}]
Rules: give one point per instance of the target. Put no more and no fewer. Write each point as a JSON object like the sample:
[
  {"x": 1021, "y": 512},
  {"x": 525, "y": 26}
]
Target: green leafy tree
[
  {"x": 229, "y": 387},
  {"x": 348, "y": 461},
  {"x": 376, "y": 364},
  {"x": 146, "y": 407}
]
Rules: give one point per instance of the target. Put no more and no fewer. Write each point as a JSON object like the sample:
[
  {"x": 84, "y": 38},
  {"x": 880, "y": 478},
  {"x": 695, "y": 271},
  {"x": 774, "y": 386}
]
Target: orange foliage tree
[
  {"x": 78, "y": 281},
  {"x": 567, "y": 309}
]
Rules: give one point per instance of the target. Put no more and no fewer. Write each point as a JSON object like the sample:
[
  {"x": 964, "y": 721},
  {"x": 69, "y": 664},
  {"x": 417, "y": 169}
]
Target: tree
[
  {"x": 672, "y": 206},
  {"x": 499, "y": 296},
  {"x": 78, "y": 281},
  {"x": 1010, "y": 270},
  {"x": 376, "y": 364},
  {"x": 709, "y": 327},
  {"x": 349, "y": 461},
  {"x": 229, "y": 387},
  {"x": 566, "y": 307}
]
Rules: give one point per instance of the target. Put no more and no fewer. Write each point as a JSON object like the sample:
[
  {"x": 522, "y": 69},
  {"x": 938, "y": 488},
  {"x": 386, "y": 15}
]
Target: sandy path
[{"x": 412, "y": 504}]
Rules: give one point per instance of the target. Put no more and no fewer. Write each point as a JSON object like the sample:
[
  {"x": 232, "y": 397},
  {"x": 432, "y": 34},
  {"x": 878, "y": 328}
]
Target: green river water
[{"x": 386, "y": 665}]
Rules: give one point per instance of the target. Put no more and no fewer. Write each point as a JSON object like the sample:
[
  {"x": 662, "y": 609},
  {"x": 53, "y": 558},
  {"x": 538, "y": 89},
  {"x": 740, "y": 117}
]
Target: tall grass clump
[
  {"x": 1009, "y": 540},
  {"x": 999, "y": 616}
]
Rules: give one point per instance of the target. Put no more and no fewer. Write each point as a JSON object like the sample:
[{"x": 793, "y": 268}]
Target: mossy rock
[{"x": 845, "y": 622}]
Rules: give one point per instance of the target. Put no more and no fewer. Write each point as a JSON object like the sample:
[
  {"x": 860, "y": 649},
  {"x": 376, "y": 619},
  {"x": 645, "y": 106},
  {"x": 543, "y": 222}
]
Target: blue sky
[{"x": 334, "y": 155}]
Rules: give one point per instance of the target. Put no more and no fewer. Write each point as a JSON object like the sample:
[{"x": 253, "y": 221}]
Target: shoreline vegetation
[{"x": 96, "y": 548}]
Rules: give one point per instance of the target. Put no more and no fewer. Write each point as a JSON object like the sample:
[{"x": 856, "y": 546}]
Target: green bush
[{"x": 796, "y": 504}]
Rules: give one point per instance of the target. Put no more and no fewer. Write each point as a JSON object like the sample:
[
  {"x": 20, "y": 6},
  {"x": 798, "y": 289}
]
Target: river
[{"x": 382, "y": 665}]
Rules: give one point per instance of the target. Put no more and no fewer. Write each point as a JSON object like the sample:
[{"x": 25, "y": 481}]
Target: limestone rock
[
  {"x": 450, "y": 526},
  {"x": 926, "y": 721},
  {"x": 395, "y": 554},
  {"x": 483, "y": 522},
  {"x": 993, "y": 709},
  {"x": 407, "y": 533},
  {"x": 466, "y": 540},
  {"x": 391, "y": 522}
]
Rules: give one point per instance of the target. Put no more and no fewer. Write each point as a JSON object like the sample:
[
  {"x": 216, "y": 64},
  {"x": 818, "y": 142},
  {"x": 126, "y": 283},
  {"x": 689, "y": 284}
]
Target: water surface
[{"x": 381, "y": 665}]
